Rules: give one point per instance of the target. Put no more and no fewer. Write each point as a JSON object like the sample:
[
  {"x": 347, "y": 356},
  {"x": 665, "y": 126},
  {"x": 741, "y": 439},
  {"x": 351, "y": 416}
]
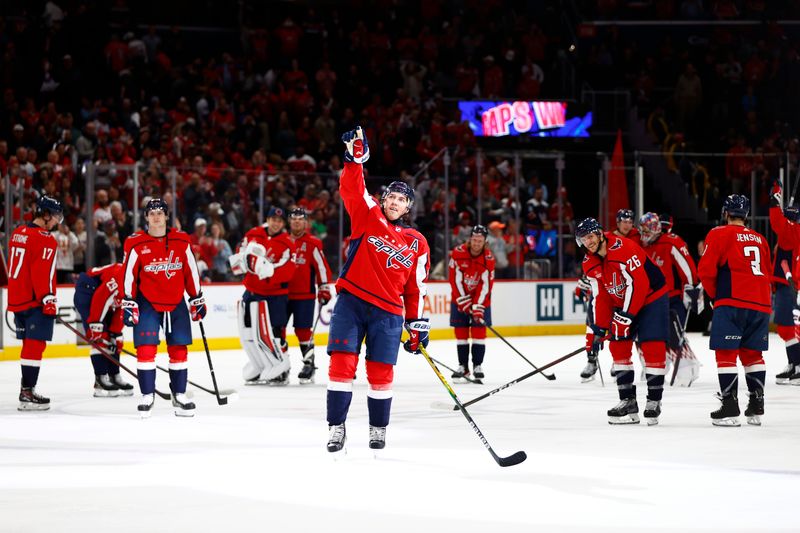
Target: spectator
[
  {"x": 199, "y": 234},
  {"x": 536, "y": 210},
  {"x": 65, "y": 258},
  {"x": 497, "y": 245},
  {"x": 123, "y": 222},
  {"x": 515, "y": 249},
  {"x": 107, "y": 245},
  {"x": 220, "y": 266},
  {"x": 102, "y": 209}
]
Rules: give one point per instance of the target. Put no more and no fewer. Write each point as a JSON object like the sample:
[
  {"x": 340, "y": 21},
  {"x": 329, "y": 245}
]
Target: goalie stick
[
  {"x": 512, "y": 382},
  {"x": 511, "y": 460},
  {"x": 679, "y": 354},
  {"x": 550, "y": 377},
  {"x": 106, "y": 354}
]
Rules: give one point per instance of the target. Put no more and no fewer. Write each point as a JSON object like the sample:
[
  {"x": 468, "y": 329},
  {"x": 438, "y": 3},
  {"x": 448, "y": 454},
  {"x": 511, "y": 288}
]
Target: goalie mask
[{"x": 649, "y": 227}]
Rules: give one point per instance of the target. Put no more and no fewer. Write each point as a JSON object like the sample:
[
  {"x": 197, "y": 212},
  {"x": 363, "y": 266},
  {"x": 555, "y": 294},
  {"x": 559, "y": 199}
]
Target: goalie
[{"x": 266, "y": 258}]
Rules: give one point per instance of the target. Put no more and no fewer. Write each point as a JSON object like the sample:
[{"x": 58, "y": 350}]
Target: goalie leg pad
[
  {"x": 256, "y": 363},
  {"x": 267, "y": 343}
]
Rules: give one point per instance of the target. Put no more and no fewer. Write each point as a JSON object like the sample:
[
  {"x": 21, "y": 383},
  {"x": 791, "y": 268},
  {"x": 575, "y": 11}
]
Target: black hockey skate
[
  {"x": 104, "y": 387},
  {"x": 461, "y": 373},
  {"x": 652, "y": 410},
  {"x": 183, "y": 406},
  {"x": 755, "y": 408},
  {"x": 785, "y": 375},
  {"x": 728, "y": 413},
  {"x": 145, "y": 407},
  {"x": 30, "y": 400},
  {"x": 306, "y": 374},
  {"x": 337, "y": 435},
  {"x": 478, "y": 372},
  {"x": 125, "y": 388},
  {"x": 280, "y": 380},
  {"x": 625, "y": 412},
  {"x": 377, "y": 437},
  {"x": 589, "y": 371}
]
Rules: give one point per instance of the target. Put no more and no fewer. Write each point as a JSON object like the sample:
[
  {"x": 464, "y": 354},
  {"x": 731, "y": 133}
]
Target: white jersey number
[
  {"x": 16, "y": 259},
  {"x": 755, "y": 263}
]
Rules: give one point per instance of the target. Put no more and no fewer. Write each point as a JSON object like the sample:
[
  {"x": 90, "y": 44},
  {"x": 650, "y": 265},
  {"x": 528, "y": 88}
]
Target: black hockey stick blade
[{"x": 513, "y": 459}]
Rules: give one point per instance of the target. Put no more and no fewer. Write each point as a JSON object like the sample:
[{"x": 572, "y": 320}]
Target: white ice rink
[{"x": 260, "y": 464}]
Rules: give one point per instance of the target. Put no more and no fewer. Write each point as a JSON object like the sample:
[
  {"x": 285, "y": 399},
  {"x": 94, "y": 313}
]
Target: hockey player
[
  {"x": 734, "y": 272},
  {"x": 266, "y": 258},
  {"x": 385, "y": 274},
  {"x": 98, "y": 300},
  {"x": 784, "y": 224},
  {"x": 159, "y": 267},
  {"x": 471, "y": 281},
  {"x": 312, "y": 274},
  {"x": 626, "y": 225},
  {"x": 32, "y": 293},
  {"x": 670, "y": 253},
  {"x": 630, "y": 301}
]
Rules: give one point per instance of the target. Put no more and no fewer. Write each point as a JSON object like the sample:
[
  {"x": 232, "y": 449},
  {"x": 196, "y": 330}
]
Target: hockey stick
[
  {"x": 107, "y": 354},
  {"x": 220, "y": 399},
  {"x": 682, "y": 336},
  {"x": 794, "y": 188},
  {"x": 471, "y": 380},
  {"x": 511, "y": 460},
  {"x": 223, "y": 392},
  {"x": 550, "y": 377},
  {"x": 521, "y": 378}
]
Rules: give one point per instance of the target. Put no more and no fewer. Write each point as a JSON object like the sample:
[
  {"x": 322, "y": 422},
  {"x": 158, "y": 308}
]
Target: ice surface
[{"x": 260, "y": 464}]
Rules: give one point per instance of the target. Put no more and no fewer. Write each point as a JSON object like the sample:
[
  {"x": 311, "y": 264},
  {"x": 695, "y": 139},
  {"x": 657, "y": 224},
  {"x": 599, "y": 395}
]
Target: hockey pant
[{"x": 266, "y": 359}]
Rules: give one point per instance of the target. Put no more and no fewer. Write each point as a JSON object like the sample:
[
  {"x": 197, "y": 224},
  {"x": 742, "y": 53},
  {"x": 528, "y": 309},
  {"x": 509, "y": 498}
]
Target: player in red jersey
[
  {"x": 98, "y": 300},
  {"x": 471, "y": 281},
  {"x": 734, "y": 270},
  {"x": 626, "y": 225},
  {"x": 670, "y": 253},
  {"x": 630, "y": 300},
  {"x": 312, "y": 277},
  {"x": 785, "y": 225},
  {"x": 32, "y": 294},
  {"x": 266, "y": 258},
  {"x": 159, "y": 267},
  {"x": 383, "y": 279}
]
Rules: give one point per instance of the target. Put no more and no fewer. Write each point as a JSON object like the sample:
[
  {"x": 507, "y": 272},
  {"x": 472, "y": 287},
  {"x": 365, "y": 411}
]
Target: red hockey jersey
[
  {"x": 160, "y": 268},
  {"x": 788, "y": 244},
  {"x": 624, "y": 279},
  {"x": 311, "y": 269},
  {"x": 670, "y": 254},
  {"x": 734, "y": 266},
  {"x": 31, "y": 267},
  {"x": 387, "y": 264},
  {"x": 107, "y": 297},
  {"x": 280, "y": 252},
  {"x": 472, "y": 276}
]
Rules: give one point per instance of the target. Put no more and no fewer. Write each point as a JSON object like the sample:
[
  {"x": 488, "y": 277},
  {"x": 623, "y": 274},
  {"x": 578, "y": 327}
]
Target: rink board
[{"x": 518, "y": 308}]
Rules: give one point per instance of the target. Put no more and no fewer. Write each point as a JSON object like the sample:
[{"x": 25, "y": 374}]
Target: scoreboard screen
[{"x": 535, "y": 119}]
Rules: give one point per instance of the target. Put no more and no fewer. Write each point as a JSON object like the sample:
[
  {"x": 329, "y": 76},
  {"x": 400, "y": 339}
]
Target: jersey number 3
[{"x": 754, "y": 254}]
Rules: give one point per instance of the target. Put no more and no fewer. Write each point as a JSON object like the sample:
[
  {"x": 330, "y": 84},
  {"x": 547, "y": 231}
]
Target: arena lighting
[{"x": 539, "y": 118}]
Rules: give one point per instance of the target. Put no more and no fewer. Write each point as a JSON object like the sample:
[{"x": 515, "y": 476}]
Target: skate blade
[
  {"x": 106, "y": 394},
  {"x": 125, "y": 393},
  {"x": 184, "y": 414},
  {"x": 795, "y": 382},
  {"x": 622, "y": 420},
  {"x": 730, "y": 422},
  {"x": 782, "y": 381},
  {"x": 754, "y": 420},
  {"x": 306, "y": 381},
  {"x": 33, "y": 407},
  {"x": 338, "y": 455},
  {"x": 587, "y": 380},
  {"x": 651, "y": 421},
  {"x": 145, "y": 414},
  {"x": 255, "y": 382},
  {"x": 281, "y": 384}
]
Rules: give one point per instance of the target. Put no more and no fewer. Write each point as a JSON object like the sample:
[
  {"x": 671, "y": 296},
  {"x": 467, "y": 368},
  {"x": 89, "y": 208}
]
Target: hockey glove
[
  {"x": 356, "y": 149},
  {"x": 584, "y": 288},
  {"x": 197, "y": 307},
  {"x": 796, "y": 316},
  {"x": 693, "y": 298},
  {"x": 260, "y": 266},
  {"x": 115, "y": 343},
  {"x": 776, "y": 194},
  {"x": 464, "y": 304},
  {"x": 792, "y": 283},
  {"x": 50, "y": 305},
  {"x": 418, "y": 330},
  {"x": 95, "y": 332},
  {"x": 594, "y": 340},
  {"x": 477, "y": 313},
  {"x": 621, "y": 325},
  {"x": 130, "y": 312},
  {"x": 324, "y": 294}
]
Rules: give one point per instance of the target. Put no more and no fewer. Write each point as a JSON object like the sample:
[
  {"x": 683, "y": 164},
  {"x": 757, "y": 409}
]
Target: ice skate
[
  {"x": 377, "y": 437},
  {"x": 728, "y": 413},
  {"x": 279, "y": 381},
  {"x": 183, "y": 406},
  {"x": 589, "y": 371},
  {"x": 306, "y": 375},
  {"x": 625, "y": 412},
  {"x": 30, "y": 400},
  {"x": 783, "y": 377},
  {"x": 478, "y": 372},
  {"x": 146, "y": 405},
  {"x": 337, "y": 435},
  {"x": 755, "y": 408},
  {"x": 104, "y": 387},
  {"x": 460, "y": 374},
  {"x": 125, "y": 388},
  {"x": 652, "y": 410}
]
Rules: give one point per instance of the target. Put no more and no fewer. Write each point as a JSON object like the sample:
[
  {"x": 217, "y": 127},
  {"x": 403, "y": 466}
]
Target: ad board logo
[{"x": 548, "y": 302}]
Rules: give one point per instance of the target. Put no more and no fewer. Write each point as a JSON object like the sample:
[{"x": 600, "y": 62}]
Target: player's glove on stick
[
  {"x": 621, "y": 325},
  {"x": 197, "y": 307},
  {"x": 464, "y": 304},
  {"x": 356, "y": 149},
  {"x": 594, "y": 340},
  {"x": 477, "y": 313},
  {"x": 418, "y": 330},
  {"x": 50, "y": 305},
  {"x": 96, "y": 331},
  {"x": 776, "y": 194},
  {"x": 693, "y": 298},
  {"x": 115, "y": 343},
  {"x": 130, "y": 312},
  {"x": 324, "y": 294}
]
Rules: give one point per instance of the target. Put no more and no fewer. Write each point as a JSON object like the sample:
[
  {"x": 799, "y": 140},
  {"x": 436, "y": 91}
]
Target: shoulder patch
[{"x": 617, "y": 244}]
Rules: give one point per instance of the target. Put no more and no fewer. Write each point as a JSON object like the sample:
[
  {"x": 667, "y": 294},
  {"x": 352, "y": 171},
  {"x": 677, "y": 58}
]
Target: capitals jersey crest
[{"x": 165, "y": 265}]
